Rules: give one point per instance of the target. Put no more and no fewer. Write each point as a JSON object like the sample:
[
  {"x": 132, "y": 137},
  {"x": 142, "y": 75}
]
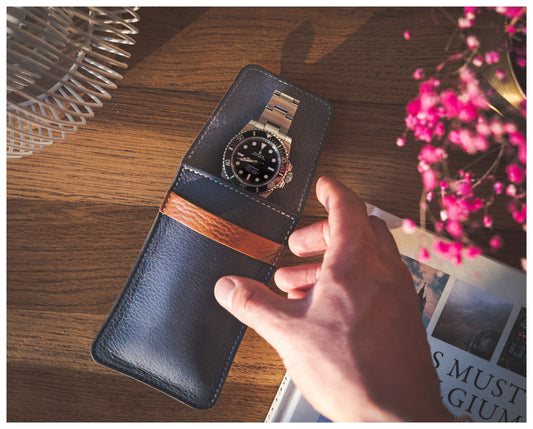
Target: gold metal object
[{"x": 508, "y": 88}]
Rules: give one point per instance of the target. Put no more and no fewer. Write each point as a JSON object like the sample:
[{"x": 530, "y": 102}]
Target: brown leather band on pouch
[{"x": 221, "y": 230}]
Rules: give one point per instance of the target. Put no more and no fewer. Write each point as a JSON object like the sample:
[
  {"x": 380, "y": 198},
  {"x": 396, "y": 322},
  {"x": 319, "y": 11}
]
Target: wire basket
[{"x": 61, "y": 64}]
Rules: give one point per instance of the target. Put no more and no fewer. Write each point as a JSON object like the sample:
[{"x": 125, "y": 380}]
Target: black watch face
[{"x": 254, "y": 159}]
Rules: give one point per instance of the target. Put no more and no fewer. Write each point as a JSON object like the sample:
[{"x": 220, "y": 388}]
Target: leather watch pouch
[{"x": 166, "y": 328}]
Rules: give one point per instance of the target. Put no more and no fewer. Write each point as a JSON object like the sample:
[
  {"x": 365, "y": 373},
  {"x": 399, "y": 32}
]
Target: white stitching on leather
[
  {"x": 238, "y": 191},
  {"x": 118, "y": 312},
  {"x": 200, "y": 139}
]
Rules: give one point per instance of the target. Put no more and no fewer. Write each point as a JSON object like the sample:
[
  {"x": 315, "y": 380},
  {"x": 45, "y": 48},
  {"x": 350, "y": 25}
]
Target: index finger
[{"x": 349, "y": 226}]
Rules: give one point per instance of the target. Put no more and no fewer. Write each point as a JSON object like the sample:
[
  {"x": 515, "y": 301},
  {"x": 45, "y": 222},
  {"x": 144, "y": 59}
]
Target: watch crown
[{"x": 288, "y": 177}]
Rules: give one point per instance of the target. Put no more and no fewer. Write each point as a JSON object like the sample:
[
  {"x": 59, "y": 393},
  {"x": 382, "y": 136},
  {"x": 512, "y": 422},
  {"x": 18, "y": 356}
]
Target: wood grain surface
[{"x": 78, "y": 213}]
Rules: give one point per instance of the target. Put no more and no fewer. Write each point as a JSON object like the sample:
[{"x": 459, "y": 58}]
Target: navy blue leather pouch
[{"x": 166, "y": 328}]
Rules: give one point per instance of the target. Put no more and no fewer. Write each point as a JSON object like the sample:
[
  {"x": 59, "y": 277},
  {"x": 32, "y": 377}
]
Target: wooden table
[{"x": 78, "y": 213}]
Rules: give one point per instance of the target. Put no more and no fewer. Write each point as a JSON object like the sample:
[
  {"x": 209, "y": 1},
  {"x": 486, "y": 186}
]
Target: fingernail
[
  {"x": 224, "y": 290},
  {"x": 325, "y": 203}
]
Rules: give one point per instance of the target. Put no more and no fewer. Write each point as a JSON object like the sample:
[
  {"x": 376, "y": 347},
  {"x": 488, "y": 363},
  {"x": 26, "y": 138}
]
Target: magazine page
[
  {"x": 475, "y": 317},
  {"x": 290, "y": 406}
]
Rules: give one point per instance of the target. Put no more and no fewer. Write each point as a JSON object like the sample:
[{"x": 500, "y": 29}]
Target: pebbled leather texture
[
  {"x": 166, "y": 328},
  {"x": 220, "y": 230}
]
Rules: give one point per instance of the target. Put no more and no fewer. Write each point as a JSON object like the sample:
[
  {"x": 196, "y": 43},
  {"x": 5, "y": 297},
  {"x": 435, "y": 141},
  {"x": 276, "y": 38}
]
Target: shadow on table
[{"x": 153, "y": 33}]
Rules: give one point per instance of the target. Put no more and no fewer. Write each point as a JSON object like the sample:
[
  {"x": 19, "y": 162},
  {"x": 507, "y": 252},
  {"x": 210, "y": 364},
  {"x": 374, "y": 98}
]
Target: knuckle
[
  {"x": 243, "y": 300},
  {"x": 312, "y": 274},
  {"x": 325, "y": 232}
]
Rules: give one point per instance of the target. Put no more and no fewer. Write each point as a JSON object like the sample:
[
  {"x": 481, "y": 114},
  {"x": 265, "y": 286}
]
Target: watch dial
[{"x": 254, "y": 159}]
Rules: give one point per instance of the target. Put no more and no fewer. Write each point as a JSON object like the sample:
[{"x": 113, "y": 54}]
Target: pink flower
[
  {"x": 464, "y": 188},
  {"x": 427, "y": 101},
  {"x": 450, "y": 102},
  {"x": 468, "y": 20},
  {"x": 454, "y": 208},
  {"x": 515, "y": 138},
  {"x": 482, "y": 128},
  {"x": 423, "y": 255},
  {"x": 454, "y": 228},
  {"x": 451, "y": 251},
  {"x": 515, "y": 173},
  {"x": 492, "y": 57},
  {"x": 472, "y": 42},
  {"x": 500, "y": 74},
  {"x": 472, "y": 251},
  {"x": 510, "y": 128},
  {"x": 455, "y": 137},
  {"x": 418, "y": 74},
  {"x": 470, "y": 11},
  {"x": 411, "y": 122},
  {"x": 478, "y": 61},
  {"x": 519, "y": 215},
  {"x": 423, "y": 133},
  {"x": 495, "y": 242},
  {"x": 408, "y": 226},
  {"x": 497, "y": 128},
  {"x": 477, "y": 204},
  {"x": 481, "y": 143},
  {"x": 467, "y": 75},
  {"x": 523, "y": 261},
  {"x": 465, "y": 22},
  {"x": 474, "y": 95},
  {"x": 440, "y": 246},
  {"x": 413, "y": 107},
  {"x": 459, "y": 209},
  {"x": 429, "y": 85},
  {"x": 459, "y": 115},
  {"x": 439, "y": 130},
  {"x": 431, "y": 154},
  {"x": 430, "y": 179},
  {"x": 468, "y": 141},
  {"x": 467, "y": 112},
  {"x": 510, "y": 12}
]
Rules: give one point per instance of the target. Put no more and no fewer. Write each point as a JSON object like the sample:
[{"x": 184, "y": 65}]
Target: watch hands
[{"x": 249, "y": 160}]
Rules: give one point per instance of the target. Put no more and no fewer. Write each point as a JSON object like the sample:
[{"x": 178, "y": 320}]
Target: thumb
[{"x": 254, "y": 305}]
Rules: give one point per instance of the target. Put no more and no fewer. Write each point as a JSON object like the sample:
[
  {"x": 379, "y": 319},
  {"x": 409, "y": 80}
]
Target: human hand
[{"x": 349, "y": 332}]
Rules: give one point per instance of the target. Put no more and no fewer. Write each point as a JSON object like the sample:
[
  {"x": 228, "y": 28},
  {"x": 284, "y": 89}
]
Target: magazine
[{"x": 475, "y": 318}]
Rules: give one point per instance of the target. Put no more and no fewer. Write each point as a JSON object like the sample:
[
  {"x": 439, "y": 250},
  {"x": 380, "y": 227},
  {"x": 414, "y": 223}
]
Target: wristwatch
[{"x": 257, "y": 158}]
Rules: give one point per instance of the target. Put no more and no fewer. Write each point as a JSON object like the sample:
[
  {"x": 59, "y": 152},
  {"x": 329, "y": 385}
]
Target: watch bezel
[{"x": 265, "y": 188}]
